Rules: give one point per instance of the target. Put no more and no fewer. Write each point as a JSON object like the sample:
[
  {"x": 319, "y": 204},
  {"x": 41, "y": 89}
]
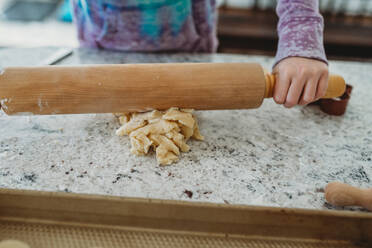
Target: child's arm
[{"x": 300, "y": 63}]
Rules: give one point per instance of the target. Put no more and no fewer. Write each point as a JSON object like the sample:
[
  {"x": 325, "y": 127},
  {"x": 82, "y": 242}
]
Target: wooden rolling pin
[
  {"x": 138, "y": 87},
  {"x": 340, "y": 194}
]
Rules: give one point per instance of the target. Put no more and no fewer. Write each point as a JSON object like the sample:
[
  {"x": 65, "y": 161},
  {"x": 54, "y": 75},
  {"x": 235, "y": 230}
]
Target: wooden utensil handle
[
  {"x": 340, "y": 194},
  {"x": 336, "y": 86}
]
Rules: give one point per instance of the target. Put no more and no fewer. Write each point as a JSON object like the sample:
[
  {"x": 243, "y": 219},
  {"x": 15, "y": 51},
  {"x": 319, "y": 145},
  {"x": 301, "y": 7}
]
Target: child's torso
[{"x": 147, "y": 25}]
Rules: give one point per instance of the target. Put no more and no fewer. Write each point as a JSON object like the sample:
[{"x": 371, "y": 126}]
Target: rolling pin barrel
[{"x": 136, "y": 87}]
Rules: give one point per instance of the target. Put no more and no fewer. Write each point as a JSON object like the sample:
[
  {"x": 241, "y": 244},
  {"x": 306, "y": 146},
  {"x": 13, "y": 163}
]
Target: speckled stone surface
[{"x": 269, "y": 156}]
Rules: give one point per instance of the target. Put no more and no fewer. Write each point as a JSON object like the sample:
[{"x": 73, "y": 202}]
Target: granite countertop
[{"x": 269, "y": 156}]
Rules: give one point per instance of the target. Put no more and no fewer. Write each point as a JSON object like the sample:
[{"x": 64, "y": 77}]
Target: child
[{"x": 190, "y": 26}]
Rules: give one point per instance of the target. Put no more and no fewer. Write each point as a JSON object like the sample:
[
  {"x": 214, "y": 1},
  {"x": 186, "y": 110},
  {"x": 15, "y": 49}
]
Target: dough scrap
[{"x": 166, "y": 132}]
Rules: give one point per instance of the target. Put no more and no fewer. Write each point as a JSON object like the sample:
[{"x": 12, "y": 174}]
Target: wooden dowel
[{"x": 340, "y": 194}]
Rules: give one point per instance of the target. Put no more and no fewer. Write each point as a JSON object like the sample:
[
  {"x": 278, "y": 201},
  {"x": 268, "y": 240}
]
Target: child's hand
[{"x": 300, "y": 81}]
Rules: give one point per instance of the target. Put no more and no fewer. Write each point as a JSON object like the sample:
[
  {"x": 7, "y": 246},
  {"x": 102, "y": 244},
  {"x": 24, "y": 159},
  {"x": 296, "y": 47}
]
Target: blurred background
[{"x": 245, "y": 26}]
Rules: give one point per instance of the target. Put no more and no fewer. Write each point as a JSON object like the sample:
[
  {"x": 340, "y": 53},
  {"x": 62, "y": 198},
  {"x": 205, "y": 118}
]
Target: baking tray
[{"x": 51, "y": 219}]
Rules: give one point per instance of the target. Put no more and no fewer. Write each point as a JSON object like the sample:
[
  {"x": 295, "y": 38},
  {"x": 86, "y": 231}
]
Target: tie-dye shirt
[{"x": 188, "y": 26}]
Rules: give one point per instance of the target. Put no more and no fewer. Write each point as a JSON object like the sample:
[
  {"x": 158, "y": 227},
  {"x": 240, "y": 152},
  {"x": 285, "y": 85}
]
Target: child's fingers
[
  {"x": 294, "y": 92},
  {"x": 309, "y": 91},
  {"x": 322, "y": 86},
  {"x": 281, "y": 87}
]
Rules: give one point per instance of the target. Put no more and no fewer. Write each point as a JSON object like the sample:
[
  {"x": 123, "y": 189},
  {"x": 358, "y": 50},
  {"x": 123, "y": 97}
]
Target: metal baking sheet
[{"x": 51, "y": 219}]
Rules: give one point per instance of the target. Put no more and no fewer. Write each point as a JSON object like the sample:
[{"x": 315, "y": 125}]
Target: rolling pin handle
[
  {"x": 270, "y": 84},
  {"x": 336, "y": 86},
  {"x": 340, "y": 194}
]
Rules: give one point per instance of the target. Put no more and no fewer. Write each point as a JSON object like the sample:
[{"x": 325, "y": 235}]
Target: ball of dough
[{"x": 13, "y": 244}]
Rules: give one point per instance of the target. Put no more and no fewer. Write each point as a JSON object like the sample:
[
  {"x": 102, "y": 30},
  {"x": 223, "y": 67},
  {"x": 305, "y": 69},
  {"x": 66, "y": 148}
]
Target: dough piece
[
  {"x": 140, "y": 144},
  {"x": 134, "y": 121},
  {"x": 166, "y": 132},
  {"x": 185, "y": 119},
  {"x": 13, "y": 244},
  {"x": 197, "y": 135},
  {"x": 166, "y": 151},
  {"x": 179, "y": 140}
]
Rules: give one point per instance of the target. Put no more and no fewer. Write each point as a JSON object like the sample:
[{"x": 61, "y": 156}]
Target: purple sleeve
[{"x": 300, "y": 30}]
